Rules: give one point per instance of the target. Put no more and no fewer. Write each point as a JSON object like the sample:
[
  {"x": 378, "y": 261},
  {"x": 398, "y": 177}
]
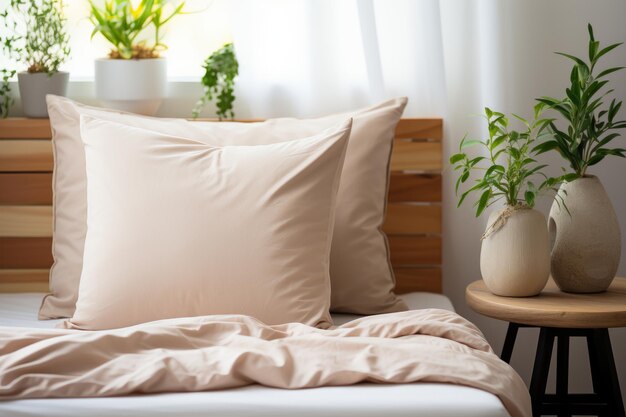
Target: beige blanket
[{"x": 217, "y": 352}]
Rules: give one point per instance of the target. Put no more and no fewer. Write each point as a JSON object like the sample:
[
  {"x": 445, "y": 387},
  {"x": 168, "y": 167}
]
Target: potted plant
[
  {"x": 6, "y": 100},
  {"x": 587, "y": 241},
  {"x": 37, "y": 39},
  {"x": 134, "y": 75},
  {"x": 220, "y": 70},
  {"x": 515, "y": 252}
]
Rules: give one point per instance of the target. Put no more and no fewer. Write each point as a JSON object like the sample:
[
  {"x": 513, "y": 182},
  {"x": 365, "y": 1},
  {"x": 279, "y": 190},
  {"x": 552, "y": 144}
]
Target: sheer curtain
[
  {"x": 311, "y": 57},
  {"x": 451, "y": 58}
]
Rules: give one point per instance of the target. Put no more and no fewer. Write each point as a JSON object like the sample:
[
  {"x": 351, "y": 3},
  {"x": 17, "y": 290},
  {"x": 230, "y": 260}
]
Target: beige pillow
[
  {"x": 361, "y": 275},
  {"x": 179, "y": 228}
]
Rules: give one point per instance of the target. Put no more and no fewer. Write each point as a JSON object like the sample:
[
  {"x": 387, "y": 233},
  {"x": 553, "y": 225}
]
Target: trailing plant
[
  {"x": 122, "y": 24},
  {"x": 36, "y": 35},
  {"x": 221, "y": 68},
  {"x": 591, "y": 125},
  {"x": 509, "y": 173},
  {"x": 6, "y": 100}
]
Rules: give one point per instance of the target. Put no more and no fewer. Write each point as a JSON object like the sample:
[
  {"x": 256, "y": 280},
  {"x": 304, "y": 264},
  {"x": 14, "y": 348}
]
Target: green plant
[
  {"x": 37, "y": 35},
  {"x": 589, "y": 128},
  {"x": 509, "y": 171},
  {"x": 5, "y": 92},
  {"x": 121, "y": 24},
  {"x": 218, "y": 81}
]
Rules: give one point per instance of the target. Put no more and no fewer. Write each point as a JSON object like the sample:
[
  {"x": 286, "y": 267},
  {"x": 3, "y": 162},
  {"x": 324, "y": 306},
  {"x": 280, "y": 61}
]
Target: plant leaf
[
  {"x": 607, "y": 50},
  {"x": 575, "y": 59},
  {"x": 482, "y": 202},
  {"x": 471, "y": 142},
  {"x": 457, "y": 157},
  {"x": 609, "y": 71}
]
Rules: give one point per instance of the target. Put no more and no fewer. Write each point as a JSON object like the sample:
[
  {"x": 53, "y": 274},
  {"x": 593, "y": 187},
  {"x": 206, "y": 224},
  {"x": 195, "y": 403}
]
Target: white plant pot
[
  {"x": 34, "y": 88},
  {"x": 586, "y": 241},
  {"x": 132, "y": 85},
  {"x": 515, "y": 260}
]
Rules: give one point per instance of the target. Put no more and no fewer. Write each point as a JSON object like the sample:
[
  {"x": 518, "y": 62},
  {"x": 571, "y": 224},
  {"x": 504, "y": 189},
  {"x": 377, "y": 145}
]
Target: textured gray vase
[
  {"x": 34, "y": 88},
  {"x": 586, "y": 241}
]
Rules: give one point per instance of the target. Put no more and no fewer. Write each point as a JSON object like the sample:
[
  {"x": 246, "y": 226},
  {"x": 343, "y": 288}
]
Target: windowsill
[
  {"x": 182, "y": 95},
  {"x": 172, "y": 79}
]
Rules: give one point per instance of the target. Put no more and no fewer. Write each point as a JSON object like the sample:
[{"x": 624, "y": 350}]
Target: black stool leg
[
  {"x": 541, "y": 369},
  {"x": 509, "y": 342},
  {"x": 597, "y": 378},
  {"x": 562, "y": 374},
  {"x": 604, "y": 374}
]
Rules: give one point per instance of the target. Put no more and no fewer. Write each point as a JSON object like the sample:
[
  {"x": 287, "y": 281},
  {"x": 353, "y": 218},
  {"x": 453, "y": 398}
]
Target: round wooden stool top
[{"x": 554, "y": 308}]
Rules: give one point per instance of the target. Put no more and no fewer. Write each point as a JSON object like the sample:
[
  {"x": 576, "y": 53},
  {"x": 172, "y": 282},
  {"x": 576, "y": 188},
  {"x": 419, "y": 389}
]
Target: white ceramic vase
[
  {"x": 132, "y": 85},
  {"x": 35, "y": 86},
  {"x": 515, "y": 259},
  {"x": 586, "y": 237}
]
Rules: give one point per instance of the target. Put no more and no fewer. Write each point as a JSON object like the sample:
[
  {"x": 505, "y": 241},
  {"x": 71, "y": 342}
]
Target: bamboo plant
[
  {"x": 590, "y": 125},
  {"x": 509, "y": 172}
]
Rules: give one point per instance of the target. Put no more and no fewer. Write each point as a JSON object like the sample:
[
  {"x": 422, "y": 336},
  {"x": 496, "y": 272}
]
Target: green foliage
[
  {"x": 37, "y": 37},
  {"x": 590, "y": 127},
  {"x": 5, "y": 92},
  {"x": 509, "y": 172},
  {"x": 121, "y": 24},
  {"x": 221, "y": 68}
]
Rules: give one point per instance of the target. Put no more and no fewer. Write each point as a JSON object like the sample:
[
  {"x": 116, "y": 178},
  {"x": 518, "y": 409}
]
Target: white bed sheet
[{"x": 363, "y": 400}]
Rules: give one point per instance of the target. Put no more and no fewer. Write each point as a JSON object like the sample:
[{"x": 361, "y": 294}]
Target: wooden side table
[{"x": 560, "y": 316}]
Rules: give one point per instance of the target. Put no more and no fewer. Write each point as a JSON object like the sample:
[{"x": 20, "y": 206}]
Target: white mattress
[{"x": 363, "y": 400}]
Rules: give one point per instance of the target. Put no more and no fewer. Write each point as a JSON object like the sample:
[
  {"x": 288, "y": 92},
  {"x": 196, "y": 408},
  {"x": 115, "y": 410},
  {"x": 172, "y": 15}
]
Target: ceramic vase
[
  {"x": 35, "y": 86},
  {"x": 586, "y": 237},
  {"x": 515, "y": 258},
  {"x": 131, "y": 85}
]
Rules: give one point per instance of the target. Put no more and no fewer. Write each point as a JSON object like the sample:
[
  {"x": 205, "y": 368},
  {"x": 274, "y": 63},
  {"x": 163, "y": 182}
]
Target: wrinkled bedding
[{"x": 218, "y": 352}]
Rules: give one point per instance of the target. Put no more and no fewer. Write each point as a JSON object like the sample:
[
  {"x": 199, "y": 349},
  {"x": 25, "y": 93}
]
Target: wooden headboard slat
[
  {"x": 402, "y": 219},
  {"x": 413, "y": 221},
  {"x": 23, "y": 128},
  {"x": 418, "y": 279},
  {"x": 413, "y": 187},
  {"x": 35, "y": 155},
  {"x": 19, "y": 189},
  {"x": 420, "y": 129},
  {"x": 25, "y": 252},
  {"x": 35, "y": 188},
  {"x": 412, "y": 250}
]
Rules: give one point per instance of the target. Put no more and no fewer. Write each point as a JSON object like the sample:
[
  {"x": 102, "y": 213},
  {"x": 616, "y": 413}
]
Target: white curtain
[
  {"x": 311, "y": 57},
  {"x": 451, "y": 58}
]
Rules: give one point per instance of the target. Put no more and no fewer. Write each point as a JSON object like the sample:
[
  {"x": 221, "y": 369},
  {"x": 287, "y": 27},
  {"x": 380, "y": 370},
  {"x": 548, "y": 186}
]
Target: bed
[
  {"x": 414, "y": 228},
  {"x": 427, "y": 399}
]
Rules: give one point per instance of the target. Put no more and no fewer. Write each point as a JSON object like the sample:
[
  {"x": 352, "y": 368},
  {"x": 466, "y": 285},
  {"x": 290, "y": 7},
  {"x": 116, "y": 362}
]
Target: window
[{"x": 190, "y": 38}]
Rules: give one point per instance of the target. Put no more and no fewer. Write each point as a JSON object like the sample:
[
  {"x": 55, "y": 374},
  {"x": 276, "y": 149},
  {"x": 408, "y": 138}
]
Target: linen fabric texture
[{"x": 221, "y": 352}]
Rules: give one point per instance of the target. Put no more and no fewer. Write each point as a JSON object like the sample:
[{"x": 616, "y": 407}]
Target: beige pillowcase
[
  {"x": 361, "y": 275},
  {"x": 178, "y": 228}
]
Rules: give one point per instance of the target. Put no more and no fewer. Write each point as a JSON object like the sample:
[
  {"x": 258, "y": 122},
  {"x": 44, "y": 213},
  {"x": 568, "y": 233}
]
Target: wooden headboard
[{"x": 413, "y": 221}]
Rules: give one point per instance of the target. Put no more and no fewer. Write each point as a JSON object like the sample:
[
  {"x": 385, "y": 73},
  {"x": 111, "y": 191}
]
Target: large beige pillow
[
  {"x": 361, "y": 275},
  {"x": 179, "y": 228}
]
